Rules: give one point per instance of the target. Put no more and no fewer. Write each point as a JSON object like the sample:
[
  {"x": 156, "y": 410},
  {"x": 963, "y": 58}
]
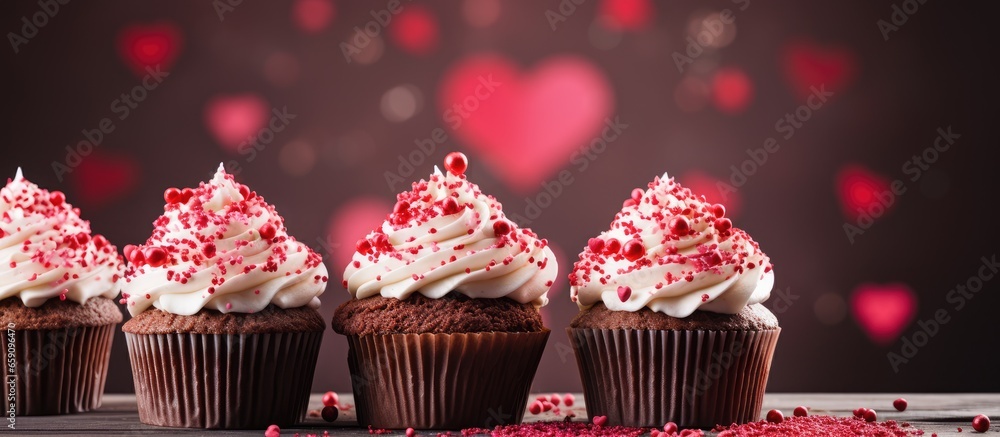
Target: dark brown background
[{"x": 936, "y": 71}]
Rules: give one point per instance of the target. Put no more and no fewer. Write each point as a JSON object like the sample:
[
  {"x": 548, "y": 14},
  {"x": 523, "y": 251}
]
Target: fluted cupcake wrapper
[
  {"x": 223, "y": 381},
  {"x": 443, "y": 381},
  {"x": 698, "y": 379},
  {"x": 56, "y": 371}
]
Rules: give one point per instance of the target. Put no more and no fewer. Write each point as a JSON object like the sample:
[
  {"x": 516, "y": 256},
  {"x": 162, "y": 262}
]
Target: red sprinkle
[
  {"x": 637, "y": 194},
  {"x": 456, "y": 163},
  {"x": 801, "y": 411},
  {"x": 272, "y": 431},
  {"x": 267, "y": 231},
  {"x": 569, "y": 399},
  {"x": 871, "y": 416},
  {"x": 679, "y": 225},
  {"x": 612, "y": 246},
  {"x": 330, "y": 413},
  {"x": 719, "y": 210},
  {"x": 57, "y": 198},
  {"x": 723, "y": 224},
  {"x": 981, "y": 423},
  {"x": 186, "y": 194},
  {"x": 172, "y": 195},
  {"x": 363, "y": 246},
  {"x": 501, "y": 227},
  {"x": 535, "y": 407},
  {"x": 600, "y": 420},
  {"x": 670, "y": 428},
  {"x": 330, "y": 399},
  {"x": 900, "y": 404},
  {"x": 775, "y": 416},
  {"x": 410, "y": 432},
  {"x": 633, "y": 250},
  {"x": 155, "y": 256},
  {"x": 596, "y": 245}
]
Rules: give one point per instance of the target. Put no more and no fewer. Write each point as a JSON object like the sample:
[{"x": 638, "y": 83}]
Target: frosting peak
[
  {"x": 673, "y": 252},
  {"x": 222, "y": 247},
  {"x": 445, "y": 235},
  {"x": 47, "y": 251}
]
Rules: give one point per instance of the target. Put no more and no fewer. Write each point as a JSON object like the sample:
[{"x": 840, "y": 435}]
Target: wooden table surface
[{"x": 934, "y": 413}]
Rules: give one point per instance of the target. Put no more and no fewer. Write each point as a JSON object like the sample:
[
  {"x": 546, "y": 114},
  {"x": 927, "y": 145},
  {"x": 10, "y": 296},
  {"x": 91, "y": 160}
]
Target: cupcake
[
  {"x": 57, "y": 285},
  {"x": 444, "y": 328},
  {"x": 224, "y": 330},
  {"x": 671, "y": 327}
]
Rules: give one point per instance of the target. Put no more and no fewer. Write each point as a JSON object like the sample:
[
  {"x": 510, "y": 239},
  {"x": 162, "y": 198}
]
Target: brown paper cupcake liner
[
  {"x": 443, "y": 381},
  {"x": 56, "y": 371},
  {"x": 693, "y": 378},
  {"x": 223, "y": 381}
]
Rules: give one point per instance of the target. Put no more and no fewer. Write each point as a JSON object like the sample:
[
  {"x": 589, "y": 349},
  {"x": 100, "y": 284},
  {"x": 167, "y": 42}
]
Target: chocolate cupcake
[
  {"x": 56, "y": 302},
  {"x": 671, "y": 328},
  {"x": 224, "y": 330},
  {"x": 444, "y": 329}
]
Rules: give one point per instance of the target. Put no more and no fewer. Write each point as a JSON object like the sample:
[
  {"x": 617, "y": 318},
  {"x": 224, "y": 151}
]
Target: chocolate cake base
[
  {"x": 453, "y": 313},
  {"x": 752, "y": 318},
  {"x": 270, "y": 320},
  {"x": 699, "y": 372},
  {"x": 443, "y": 381},
  {"x": 199, "y": 372},
  {"x": 60, "y": 352},
  {"x": 59, "y": 314}
]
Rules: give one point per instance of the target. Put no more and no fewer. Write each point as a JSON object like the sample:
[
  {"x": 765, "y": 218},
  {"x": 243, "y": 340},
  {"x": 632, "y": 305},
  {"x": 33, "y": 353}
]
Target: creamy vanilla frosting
[
  {"x": 46, "y": 250},
  {"x": 445, "y": 235},
  {"x": 221, "y": 247},
  {"x": 671, "y": 251}
]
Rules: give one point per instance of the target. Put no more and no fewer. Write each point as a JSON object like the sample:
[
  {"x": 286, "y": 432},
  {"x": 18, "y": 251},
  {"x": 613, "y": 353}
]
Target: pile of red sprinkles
[
  {"x": 820, "y": 426},
  {"x": 557, "y": 429}
]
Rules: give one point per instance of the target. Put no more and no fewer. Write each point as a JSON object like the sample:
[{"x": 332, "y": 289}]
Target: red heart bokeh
[
  {"x": 525, "y": 125},
  {"x": 415, "y": 30},
  {"x": 861, "y": 190},
  {"x": 104, "y": 177},
  {"x": 626, "y": 14},
  {"x": 732, "y": 90},
  {"x": 234, "y": 119},
  {"x": 350, "y": 223},
  {"x": 150, "y": 45},
  {"x": 883, "y": 311},
  {"x": 313, "y": 16},
  {"x": 808, "y": 65},
  {"x": 704, "y": 184}
]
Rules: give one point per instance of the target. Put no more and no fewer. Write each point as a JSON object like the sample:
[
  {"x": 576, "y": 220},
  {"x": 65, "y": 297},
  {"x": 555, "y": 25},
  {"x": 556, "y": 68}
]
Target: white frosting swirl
[
  {"x": 46, "y": 250},
  {"x": 443, "y": 237},
  {"x": 708, "y": 266},
  {"x": 216, "y": 257}
]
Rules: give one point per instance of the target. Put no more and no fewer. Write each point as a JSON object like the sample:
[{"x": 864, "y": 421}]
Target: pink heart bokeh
[
  {"x": 860, "y": 190},
  {"x": 149, "y": 45},
  {"x": 883, "y": 311},
  {"x": 104, "y": 178},
  {"x": 707, "y": 185},
  {"x": 233, "y": 119},
  {"x": 808, "y": 65},
  {"x": 350, "y": 223},
  {"x": 525, "y": 125}
]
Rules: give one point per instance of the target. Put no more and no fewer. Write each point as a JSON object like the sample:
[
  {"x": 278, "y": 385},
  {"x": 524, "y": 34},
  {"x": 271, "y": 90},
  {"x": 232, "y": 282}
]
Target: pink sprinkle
[
  {"x": 569, "y": 399},
  {"x": 229, "y": 306}
]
